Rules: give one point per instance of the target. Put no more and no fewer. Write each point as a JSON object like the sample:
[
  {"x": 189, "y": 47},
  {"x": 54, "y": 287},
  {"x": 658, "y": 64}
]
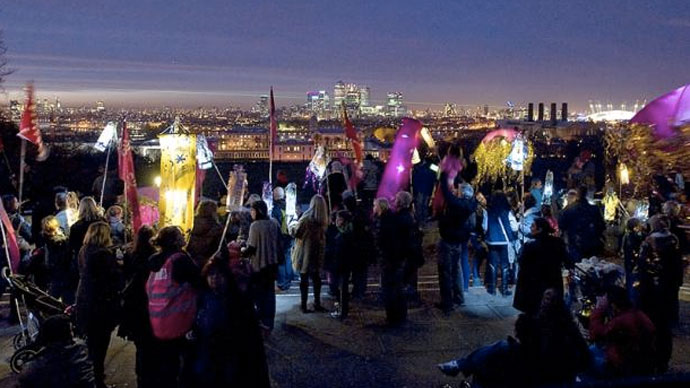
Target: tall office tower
[
  {"x": 338, "y": 95},
  {"x": 58, "y": 106},
  {"x": 261, "y": 106},
  {"x": 540, "y": 116},
  {"x": 564, "y": 111},
  {"x": 318, "y": 103},
  {"x": 394, "y": 104},
  {"x": 486, "y": 109},
  {"x": 530, "y": 111},
  {"x": 364, "y": 93},
  {"x": 100, "y": 106},
  {"x": 553, "y": 113}
]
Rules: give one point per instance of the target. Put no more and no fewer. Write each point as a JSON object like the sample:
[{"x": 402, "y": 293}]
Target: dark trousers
[
  {"x": 170, "y": 363},
  {"x": 498, "y": 263},
  {"x": 477, "y": 259},
  {"x": 145, "y": 363},
  {"x": 97, "y": 341},
  {"x": 421, "y": 206},
  {"x": 285, "y": 272},
  {"x": 304, "y": 288},
  {"x": 393, "y": 294},
  {"x": 359, "y": 282},
  {"x": 264, "y": 296},
  {"x": 344, "y": 288},
  {"x": 450, "y": 276}
]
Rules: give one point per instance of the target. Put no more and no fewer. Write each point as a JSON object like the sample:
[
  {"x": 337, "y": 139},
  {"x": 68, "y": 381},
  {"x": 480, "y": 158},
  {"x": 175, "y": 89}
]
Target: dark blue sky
[{"x": 189, "y": 53}]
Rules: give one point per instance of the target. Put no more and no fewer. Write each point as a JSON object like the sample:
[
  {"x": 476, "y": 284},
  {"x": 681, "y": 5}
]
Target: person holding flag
[{"x": 29, "y": 131}]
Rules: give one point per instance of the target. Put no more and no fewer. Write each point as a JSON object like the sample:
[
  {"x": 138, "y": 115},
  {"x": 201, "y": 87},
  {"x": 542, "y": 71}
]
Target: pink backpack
[{"x": 172, "y": 306}]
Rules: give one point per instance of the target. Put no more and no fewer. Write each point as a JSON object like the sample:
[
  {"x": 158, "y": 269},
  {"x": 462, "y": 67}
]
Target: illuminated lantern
[
  {"x": 178, "y": 177},
  {"x": 267, "y": 196},
  {"x": 625, "y": 177},
  {"x": 518, "y": 154},
  {"x": 237, "y": 186},
  {"x": 642, "y": 210},
  {"x": 396, "y": 176},
  {"x": 611, "y": 203},
  {"x": 548, "y": 187},
  {"x": 291, "y": 201}
]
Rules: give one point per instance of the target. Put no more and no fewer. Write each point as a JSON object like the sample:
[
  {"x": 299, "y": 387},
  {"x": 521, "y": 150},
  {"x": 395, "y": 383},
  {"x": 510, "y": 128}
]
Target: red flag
[
  {"x": 28, "y": 128},
  {"x": 125, "y": 167},
  {"x": 274, "y": 124},
  {"x": 351, "y": 134},
  {"x": 10, "y": 239}
]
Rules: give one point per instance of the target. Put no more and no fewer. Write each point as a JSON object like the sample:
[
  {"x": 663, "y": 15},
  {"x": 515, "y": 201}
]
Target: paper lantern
[
  {"x": 624, "y": 175},
  {"x": 548, "y": 187},
  {"x": 291, "y": 201},
  {"x": 178, "y": 178}
]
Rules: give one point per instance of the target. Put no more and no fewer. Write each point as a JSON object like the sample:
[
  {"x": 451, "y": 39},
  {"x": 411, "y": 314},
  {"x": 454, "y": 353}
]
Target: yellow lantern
[
  {"x": 624, "y": 176},
  {"x": 178, "y": 177}
]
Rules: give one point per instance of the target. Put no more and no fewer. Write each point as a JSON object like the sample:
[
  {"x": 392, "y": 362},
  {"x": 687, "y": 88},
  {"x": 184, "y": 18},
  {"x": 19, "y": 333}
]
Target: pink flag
[
  {"x": 10, "y": 239},
  {"x": 28, "y": 128},
  {"x": 351, "y": 134},
  {"x": 125, "y": 166}
]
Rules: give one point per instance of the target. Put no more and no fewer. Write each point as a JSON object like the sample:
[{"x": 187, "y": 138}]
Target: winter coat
[
  {"x": 61, "y": 268},
  {"x": 310, "y": 246},
  {"x": 228, "y": 347},
  {"x": 97, "y": 293},
  {"x": 204, "y": 239},
  {"x": 135, "y": 323},
  {"x": 408, "y": 239},
  {"x": 346, "y": 250},
  {"x": 388, "y": 241},
  {"x": 494, "y": 234},
  {"x": 627, "y": 339},
  {"x": 370, "y": 181},
  {"x": 659, "y": 269},
  {"x": 583, "y": 226},
  {"x": 264, "y": 237},
  {"x": 453, "y": 222},
  {"x": 77, "y": 232},
  {"x": 60, "y": 365},
  {"x": 541, "y": 265},
  {"x": 423, "y": 179}
]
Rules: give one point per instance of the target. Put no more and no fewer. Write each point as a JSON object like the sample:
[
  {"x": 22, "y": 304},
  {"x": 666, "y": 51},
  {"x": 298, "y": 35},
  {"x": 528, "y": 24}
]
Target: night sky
[{"x": 220, "y": 52}]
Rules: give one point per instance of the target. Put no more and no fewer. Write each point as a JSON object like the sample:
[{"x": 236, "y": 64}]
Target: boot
[
  {"x": 304, "y": 294},
  {"x": 317, "y": 296}
]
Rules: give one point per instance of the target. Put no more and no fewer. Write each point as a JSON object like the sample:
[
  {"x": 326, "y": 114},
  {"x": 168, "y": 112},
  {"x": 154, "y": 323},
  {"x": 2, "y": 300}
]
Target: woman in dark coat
[
  {"x": 206, "y": 233},
  {"x": 88, "y": 213},
  {"x": 541, "y": 265},
  {"x": 135, "y": 324},
  {"x": 97, "y": 295},
  {"x": 229, "y": 348},
  {"x": 387, "y": 240},
  {"x": 57, "y": 258}
]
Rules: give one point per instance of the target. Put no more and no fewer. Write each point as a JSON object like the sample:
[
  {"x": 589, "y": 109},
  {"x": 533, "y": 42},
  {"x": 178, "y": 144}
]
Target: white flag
[
  {"x": 204, "y": 156},
  {"x": 108, "y": 135}
]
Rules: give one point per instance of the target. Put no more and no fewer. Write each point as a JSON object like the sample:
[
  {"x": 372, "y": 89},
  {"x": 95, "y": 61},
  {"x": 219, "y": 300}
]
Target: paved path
[{"x": 313, "y": 350}]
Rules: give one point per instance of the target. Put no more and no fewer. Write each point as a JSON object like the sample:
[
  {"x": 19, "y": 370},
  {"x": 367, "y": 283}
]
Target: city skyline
[{"x": 185, "y": 55}]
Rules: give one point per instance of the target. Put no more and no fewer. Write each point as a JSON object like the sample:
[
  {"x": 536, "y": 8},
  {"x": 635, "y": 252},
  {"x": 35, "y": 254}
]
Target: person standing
[
  {"x": 263, "y": 248},
  {"x": 172, "y": 293},
  {"x": 285, "y": 270},
  {"x": 659, "y": 270},
  {"x": 423, "y": 182},
  {"x": 345, "y": 252},
  {"x": 228, "y": 348},
  {"x": 454, "y": 233},
  {"x": 67, "y": 211},
  {"x": 583, "y": 227},
  {"x": 57, "y": 259},
  {"x": 206, "y": 233},
  {"x": 392, "y": 262},
  {"x": 370, "y": 180},
  {"x": 541, "y": 263},
  {"x": 97, "y": 295},
  {"x": 409, "y": 243},
  {"x": 309, "y": 250},
  {"x": 88, "y": 213},
  {"x": 135, "y": 324},
  {"x": 499, "y": 237}
]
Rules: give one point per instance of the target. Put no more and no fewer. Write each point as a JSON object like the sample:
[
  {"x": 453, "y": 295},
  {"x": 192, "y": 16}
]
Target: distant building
[
  {"x": 262, "y": 106},
  {"x": 394, "y": 104},
  {"x": 319, "y": 103},
  {"x": 100, "y": 106}
]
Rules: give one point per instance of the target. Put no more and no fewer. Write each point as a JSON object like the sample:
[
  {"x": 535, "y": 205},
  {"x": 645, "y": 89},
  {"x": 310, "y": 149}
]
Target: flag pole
[
  {"x": 22, "y": 164},
  {"x": 105, "y": 174}
]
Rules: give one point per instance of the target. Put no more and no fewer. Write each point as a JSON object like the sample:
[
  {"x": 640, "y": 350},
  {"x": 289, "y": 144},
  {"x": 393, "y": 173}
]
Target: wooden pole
[{"x": 22, "y": 164}]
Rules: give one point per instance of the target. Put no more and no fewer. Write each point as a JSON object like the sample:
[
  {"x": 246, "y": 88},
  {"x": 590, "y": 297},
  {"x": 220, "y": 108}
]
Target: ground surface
[{"x": 314, "y": 350}]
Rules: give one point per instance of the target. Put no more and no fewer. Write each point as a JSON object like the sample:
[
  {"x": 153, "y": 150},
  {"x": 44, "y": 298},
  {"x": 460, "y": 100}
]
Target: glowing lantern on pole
[
  {"x": 548, "y": 187},
  {"x": 625, "y": 177},
  {"x": 291, "y": 201},
  {"x": 178, "y": 177}
]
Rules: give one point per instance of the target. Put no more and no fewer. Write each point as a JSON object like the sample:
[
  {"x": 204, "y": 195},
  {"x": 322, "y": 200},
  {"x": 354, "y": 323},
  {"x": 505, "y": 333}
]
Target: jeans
[
  {"x": 477, "y": 259},
  {"x": 421, "y": 206},
  {"x": 304, "y": 288},
  {"x": 498, "y": 263},
  {"x": 465, "y": 263},
  {"x": 285, "y": 272},
  {"x": 344, "y": 288},
  {"x": 450, "y": 279},
  {"x": 264, "y": 296}
]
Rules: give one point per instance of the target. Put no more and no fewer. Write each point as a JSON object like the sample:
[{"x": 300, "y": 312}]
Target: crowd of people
[{"x": 198, "y": 304}]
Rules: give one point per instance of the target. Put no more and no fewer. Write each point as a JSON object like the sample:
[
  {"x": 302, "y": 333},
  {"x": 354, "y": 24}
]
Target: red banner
[
  {"x": 10, "y": 239},
  {"x": 125, "y": 166},
  {"x": 28, "y": 128}
]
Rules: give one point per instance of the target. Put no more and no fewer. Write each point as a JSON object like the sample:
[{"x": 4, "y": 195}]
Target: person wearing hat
[{"x": 541, "y": 263}]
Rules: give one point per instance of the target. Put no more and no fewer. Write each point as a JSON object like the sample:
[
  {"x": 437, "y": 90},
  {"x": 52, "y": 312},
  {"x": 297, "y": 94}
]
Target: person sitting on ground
[
  {"x": 624, "y": 337},
  {"x": 62, "y": 363}
]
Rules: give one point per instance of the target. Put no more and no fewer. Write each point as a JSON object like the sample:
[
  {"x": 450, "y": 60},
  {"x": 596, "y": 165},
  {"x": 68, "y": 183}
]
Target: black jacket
[
  {"x": 59, "y": 365},
  {"x": 541, "y": 264},
  {"x": 452, "y": 223},
  {"x": 98, "y": 290}
]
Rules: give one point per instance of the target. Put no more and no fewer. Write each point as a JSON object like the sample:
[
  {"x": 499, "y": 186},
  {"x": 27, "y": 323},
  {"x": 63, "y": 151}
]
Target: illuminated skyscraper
[
  {"x": 318, "y": 103},
  {"x": 394, "y": 104}
]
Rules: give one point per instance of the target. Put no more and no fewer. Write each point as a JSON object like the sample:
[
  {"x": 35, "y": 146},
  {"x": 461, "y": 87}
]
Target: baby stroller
[
  {"x": 591, "y": 278},
  {"x": 39, "y": 306}
]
